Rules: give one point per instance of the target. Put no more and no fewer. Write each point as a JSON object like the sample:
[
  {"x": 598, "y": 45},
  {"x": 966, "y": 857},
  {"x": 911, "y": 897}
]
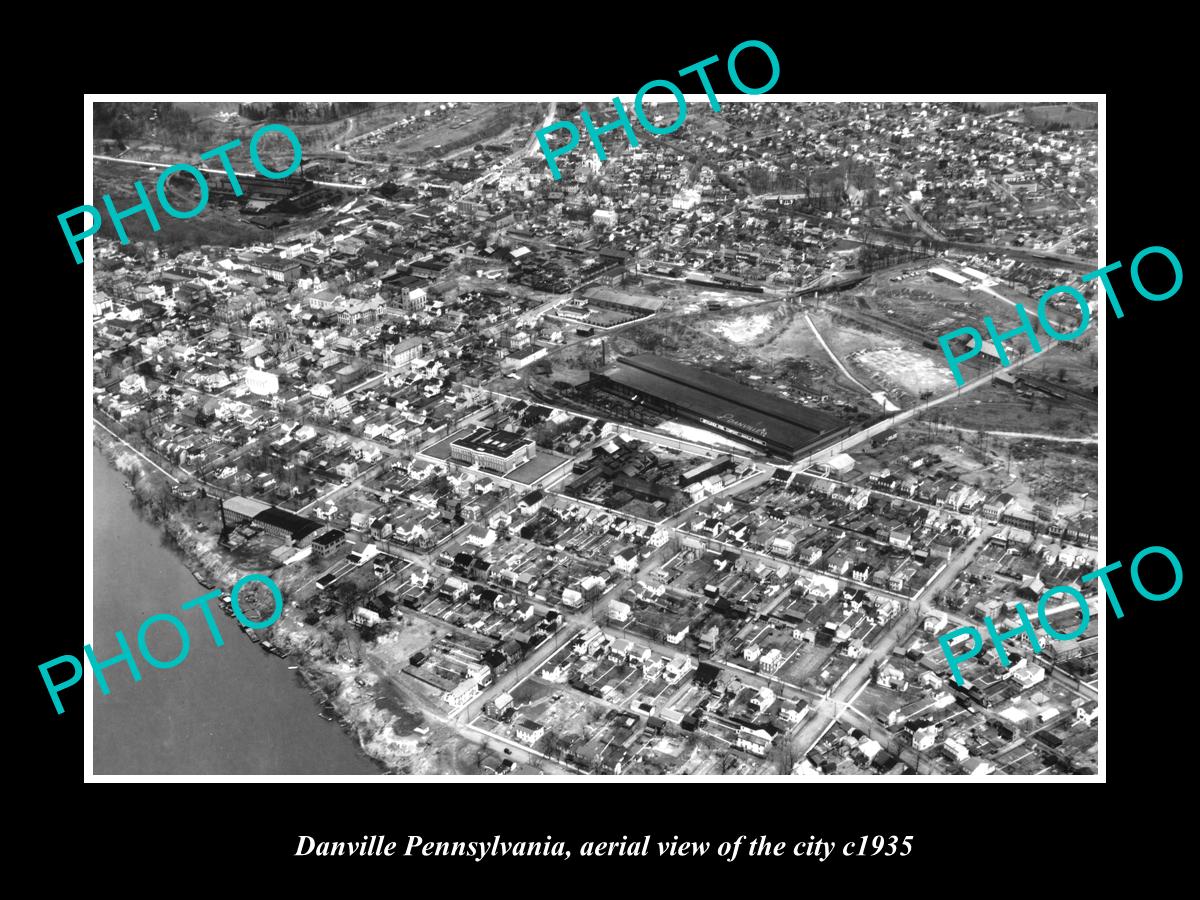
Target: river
[{"x": 230, "y": 710}]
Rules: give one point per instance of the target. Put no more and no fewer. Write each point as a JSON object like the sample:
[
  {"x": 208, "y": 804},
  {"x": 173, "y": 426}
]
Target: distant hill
[
  {"x": 300, "y": 113},
  {"x": 1049, "y": 116},
  {"x": 202, "y": 110},
  {"x": 1053, "y": 116},
  {"x": 167, "y": 123}
]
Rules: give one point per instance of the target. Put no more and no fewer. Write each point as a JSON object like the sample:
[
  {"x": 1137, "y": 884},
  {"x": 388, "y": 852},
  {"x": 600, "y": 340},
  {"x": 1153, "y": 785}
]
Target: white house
[
  {"x": 924, "y": 738},
  {"x": 754, "y": 740},
  {"x": 978, "y": 767},
  {"x": 531, "y": 503},
  {"x": 935, "y": 622},
  {"x": 771, "y": 661},
  {"x": 676, "y": 637},
  {"x": 530, "y": 731},
  {"x": 364, "y": 616},
  {"x": 763, "y": 699},
  {"x": 626, "y": 561},
  {"x": 955, "y": 751}
]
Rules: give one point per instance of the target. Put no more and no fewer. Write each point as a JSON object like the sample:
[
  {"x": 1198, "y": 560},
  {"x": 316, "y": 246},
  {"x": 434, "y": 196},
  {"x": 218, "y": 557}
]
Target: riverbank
[{"x": 371, "y": 710}]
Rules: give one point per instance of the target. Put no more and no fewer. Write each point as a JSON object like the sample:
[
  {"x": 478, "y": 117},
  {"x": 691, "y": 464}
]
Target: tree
[
  {"x": 345, "y": 593},
  {"x": 369, "y": 633},
  {"x": 555, "y": 746},
  {"x": 783, "y": 755}
]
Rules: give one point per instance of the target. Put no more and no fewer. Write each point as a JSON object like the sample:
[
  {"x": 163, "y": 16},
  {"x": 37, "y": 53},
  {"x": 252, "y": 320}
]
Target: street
[{"x": 814, "y": 729}]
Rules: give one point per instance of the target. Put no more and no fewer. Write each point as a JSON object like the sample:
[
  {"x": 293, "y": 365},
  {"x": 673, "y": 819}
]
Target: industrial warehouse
[
  {"x": 274, "y": 521},
  {"x": 772, "y": 425}
]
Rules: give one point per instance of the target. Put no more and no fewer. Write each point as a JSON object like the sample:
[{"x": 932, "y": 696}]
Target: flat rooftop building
[
  {"x": 772, "y": 425},
  {"x": 493, "y": 448}
]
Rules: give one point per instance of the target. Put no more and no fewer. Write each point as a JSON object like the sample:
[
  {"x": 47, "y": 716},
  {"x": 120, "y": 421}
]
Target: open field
[
  {"x": 398, "y": 644},
  {"x": 419, "y": 132},
  {"x": 1069, "y": 114},
  {"x": 217, "y": 225},
  {"x": 915, "y": 373},
  {"x": 1029, "y": 407},
  {"x": 743, "y": 329}
]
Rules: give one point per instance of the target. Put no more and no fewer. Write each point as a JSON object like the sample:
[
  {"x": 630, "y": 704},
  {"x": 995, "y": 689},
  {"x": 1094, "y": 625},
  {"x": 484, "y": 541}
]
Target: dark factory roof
[
  {"x": 810, "y": 419},
  {"x": 296, "y": 526},
  {"x": 776, "y": 422}
]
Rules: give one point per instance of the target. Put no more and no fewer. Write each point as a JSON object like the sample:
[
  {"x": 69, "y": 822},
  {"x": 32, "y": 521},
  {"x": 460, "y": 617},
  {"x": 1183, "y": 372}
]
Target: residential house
[
  {"x": 529, "y": 731},
  {"x": 626, "y": 561},
  {"x": 771, "y": 661},
  {"x": 754, "y": 740},
  {"x": 925, "y": 737},
  {"x": 531, "y": 503}
]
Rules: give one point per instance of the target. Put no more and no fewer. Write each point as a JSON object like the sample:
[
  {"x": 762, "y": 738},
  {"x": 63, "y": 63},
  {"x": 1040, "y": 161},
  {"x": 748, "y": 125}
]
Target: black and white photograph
[
  {"x": 577, "y": 451},
  {"x": 733, "y": 435}
]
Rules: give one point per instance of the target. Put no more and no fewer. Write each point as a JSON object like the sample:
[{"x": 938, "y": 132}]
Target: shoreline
[{"x": 333, "y": 683}]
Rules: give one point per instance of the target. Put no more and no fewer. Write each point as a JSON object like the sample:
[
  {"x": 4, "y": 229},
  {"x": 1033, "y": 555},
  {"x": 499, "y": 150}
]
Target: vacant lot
[
  {"x": 1069, "y": 114},
  {"x": 910, "y": 371},
  {"x": 1062, "y": 478},
  {"x": 1051, "y": 396}
]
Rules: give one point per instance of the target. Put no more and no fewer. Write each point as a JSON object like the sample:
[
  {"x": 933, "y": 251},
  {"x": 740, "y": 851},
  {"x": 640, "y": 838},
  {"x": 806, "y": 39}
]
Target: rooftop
[
  {"x": 723, "y": 403},
  {"x": 495, "y": 441},
  {"x": 245, "y": 506}
]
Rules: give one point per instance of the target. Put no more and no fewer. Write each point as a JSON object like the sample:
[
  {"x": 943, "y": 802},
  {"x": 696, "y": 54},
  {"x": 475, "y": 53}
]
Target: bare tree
[{"x": 783, "y": 756}]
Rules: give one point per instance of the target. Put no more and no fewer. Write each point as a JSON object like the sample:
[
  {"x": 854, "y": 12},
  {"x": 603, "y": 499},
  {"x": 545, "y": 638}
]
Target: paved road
[
  {"x": 921, "y": 223},
  {"x": 526, "y": 667},
  {"x": 1019, "y": 434},
  {"x": 888, "y": 739},
  {"x": 833, "y": 356},
  {"x": 157, "y": 165},
  {"x": 411, "y": 696},
  {"x": 135, "y": 450},
  {"x": 816, "y": 726},
  {"x": 905, "y": 415}
]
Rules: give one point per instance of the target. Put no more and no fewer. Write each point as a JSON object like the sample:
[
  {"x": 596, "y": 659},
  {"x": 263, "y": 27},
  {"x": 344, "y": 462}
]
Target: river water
[{"x": 230, "y": 710}]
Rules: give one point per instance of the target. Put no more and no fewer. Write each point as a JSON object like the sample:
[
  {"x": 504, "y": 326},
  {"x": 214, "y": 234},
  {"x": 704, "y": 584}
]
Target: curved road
[{"x": 838, "y": 362}]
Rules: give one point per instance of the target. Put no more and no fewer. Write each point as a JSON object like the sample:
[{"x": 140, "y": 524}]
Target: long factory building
[{"x": 771, "y": 425}]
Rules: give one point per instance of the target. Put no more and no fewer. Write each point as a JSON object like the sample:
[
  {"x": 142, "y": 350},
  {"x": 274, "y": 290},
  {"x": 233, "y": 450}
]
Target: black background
[{"x": 1030, "y": 834}]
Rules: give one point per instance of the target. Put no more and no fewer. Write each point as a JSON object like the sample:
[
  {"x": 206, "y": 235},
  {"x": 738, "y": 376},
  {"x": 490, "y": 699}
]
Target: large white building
[
  {"x": 401, "y": 355},
  {"x": 261, "y": 381},
  {"x": 494, "y": 449}
]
